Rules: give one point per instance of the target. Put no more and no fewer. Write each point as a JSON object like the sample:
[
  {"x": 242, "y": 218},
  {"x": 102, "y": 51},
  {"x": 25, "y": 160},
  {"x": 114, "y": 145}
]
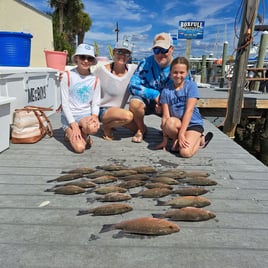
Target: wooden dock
[{"x": 53, "y": 236}]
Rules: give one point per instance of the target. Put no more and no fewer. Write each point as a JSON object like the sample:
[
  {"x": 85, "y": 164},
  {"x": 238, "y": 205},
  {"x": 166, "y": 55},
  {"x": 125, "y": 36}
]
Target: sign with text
[{"x": 191, "y": 29}]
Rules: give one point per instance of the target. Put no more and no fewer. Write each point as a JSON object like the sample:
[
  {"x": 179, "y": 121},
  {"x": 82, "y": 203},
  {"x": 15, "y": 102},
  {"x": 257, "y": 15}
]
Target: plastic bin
[
  {"x": 15, "y": 49},
  {"x": 56, "y": 59}
]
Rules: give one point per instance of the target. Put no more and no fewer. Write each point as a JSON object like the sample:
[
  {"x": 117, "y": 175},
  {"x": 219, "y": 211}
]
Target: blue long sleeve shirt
[{"x": 149, "y": 79}]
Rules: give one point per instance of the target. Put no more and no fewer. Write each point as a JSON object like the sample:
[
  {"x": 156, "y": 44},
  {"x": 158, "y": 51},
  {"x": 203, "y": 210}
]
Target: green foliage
[
  {"x": 70, "y": 23},
  {"x": 110, "y": 49}
]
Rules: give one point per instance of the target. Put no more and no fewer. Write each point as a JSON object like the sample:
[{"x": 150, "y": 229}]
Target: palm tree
[{"x": 70, "y": 23}]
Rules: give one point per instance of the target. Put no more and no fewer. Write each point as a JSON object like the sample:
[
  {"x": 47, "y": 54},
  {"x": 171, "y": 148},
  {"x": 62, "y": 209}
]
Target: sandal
[
  {"x": 65, "y": 138},
  {"x": 137, "y": 138},
  {"x": 108, "y": 138},
  {"x": 89, "y": 142},
  {"x": 208, "y": 138}
]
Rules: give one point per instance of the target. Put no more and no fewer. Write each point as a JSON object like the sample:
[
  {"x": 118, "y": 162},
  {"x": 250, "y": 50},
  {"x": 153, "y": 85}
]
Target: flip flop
[
  {"x": 208, "y": 138},
  {"x": 107, "y": 137},
  {"x": 89, "y": 142},
  {"x": 137, "y": 138}
]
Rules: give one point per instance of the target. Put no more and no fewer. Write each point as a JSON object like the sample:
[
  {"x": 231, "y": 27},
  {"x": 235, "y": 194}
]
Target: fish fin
[
  {"x": 83, "y": 212},
  {"x": 159, "y": 216},
  {"x": 134, "y": 195},
  {"x": 107, "y": 228}
]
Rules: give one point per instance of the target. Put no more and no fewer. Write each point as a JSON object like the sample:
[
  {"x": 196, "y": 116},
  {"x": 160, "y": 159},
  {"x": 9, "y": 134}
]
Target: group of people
[{"x": 158, "y": 85}]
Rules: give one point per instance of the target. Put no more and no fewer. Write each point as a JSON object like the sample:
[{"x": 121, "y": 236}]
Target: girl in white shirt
[
  {"x": 114, "y": 79},
  {"x": 80, "y": 92}
]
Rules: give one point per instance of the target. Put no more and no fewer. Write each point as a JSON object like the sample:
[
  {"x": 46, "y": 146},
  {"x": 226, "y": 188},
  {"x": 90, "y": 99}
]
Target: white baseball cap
[
  {"x": 123, "y": 44},
  {"x": 85, "y": 49}
]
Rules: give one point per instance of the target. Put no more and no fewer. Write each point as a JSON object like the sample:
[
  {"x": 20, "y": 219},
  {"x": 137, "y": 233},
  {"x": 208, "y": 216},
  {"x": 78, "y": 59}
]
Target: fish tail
[
  {"x": 106, "y": 228},
  {"x": 160, "y": 216},
  {"x": 160, "y": 203},
  {"x": 89, "y": 191},
  {"x": 50, "y": 190},
  {"x": 51, "y": 180},
  {"x": 83, "y": 212}
]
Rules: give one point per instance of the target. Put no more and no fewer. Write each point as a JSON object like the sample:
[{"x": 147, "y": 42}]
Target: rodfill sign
[{"x": 191, "y": 29}]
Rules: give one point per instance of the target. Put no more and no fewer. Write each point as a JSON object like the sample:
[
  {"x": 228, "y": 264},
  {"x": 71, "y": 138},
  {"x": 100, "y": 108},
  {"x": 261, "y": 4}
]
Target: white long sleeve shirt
[{"x": 80, "y": 95}]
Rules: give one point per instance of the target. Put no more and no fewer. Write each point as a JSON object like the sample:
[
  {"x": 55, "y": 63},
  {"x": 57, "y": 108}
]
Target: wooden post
[
  {"x": 224, "y": 59},
  {"x": 233, "y": 113},
  {"x": 188, "y": 48},
  {"x": 261, "y": 56},
  {"x": 203, "y": 69},
  {"x": 209, "y": 69}
]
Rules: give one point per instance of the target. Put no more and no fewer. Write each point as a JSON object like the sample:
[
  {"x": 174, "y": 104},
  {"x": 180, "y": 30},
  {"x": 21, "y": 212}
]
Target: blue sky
[{"x": 140, "y": 20}]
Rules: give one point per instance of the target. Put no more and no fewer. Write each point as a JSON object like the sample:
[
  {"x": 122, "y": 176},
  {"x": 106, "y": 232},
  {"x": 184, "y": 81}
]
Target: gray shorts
[
  {"x": 65, "y": 123},
  {"x": 149, "y": 104}
]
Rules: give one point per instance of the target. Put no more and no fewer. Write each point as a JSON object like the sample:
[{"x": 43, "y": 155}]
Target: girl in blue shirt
[{"x": 181, "y": 120}]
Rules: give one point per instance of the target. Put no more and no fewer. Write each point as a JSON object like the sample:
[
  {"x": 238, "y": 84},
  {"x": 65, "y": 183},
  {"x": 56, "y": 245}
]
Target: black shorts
[{"x": 197, "y": 128}]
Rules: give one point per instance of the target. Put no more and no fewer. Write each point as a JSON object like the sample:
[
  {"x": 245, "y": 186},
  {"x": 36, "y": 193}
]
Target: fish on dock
[
  {"x": 196, "y": 173},
  {"x": 145, "y": 169},
  {"x": 111, "y": 197},
  {"x": 151, "y": 185},
  {"x": 98, "y": 173},
  {"x": 199, "y": 181},
  {"x": 106, "y": 210},
  {"x": 164, "y": 179},
  {"x": 67, "y": 190},
  {"x": 187, "y": 214},
  {"x": 131, "y": 184},
  {"x": 67, "y": 177},
  {"x": 104, "y": 179},
  {"x": 124, "y": 172},
  {"x": 144, "y": 226},
  {"x": 109, "y": 189},
  {"x": 80, "y": 170},
  {"x": 81, "y": 183},
  {"x": 194, "y": 191},
  {"x": 153, "y": 193},
  {"x": 112, "y": 167},
  {"x": 185, "y": 201},
  {"x": 141, "y": 177},
  {"x": 172, "y": 173}
]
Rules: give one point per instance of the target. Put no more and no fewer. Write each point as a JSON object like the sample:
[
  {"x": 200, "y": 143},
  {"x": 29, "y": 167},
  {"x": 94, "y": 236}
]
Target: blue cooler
[{"x": 15, "y": 49}]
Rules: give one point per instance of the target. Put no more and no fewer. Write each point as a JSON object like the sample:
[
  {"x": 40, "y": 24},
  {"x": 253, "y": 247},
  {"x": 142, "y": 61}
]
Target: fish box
[
  {"x": 5, "y": 122},
  {"x": 30, "y": 86}
]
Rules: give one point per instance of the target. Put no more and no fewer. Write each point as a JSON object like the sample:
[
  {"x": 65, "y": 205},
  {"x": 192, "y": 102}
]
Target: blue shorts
[
  {"x": 149, "y": 104},
  {"x": 102, "y": 112},
  {"x": 65, "y": 123}
]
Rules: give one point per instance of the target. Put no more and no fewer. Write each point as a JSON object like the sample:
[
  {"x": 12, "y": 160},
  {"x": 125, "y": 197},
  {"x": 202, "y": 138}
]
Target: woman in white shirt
[
  {"x": 114, "y": 78},
  {"x": 80, "y": 92}
]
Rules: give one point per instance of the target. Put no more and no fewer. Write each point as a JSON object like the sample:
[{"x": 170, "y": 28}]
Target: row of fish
[{"x": 119, "y": 179}]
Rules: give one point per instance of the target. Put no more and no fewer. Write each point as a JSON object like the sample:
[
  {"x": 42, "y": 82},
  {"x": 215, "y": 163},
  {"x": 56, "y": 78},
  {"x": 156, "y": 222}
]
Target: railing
[{"x": 257, "y": 75}]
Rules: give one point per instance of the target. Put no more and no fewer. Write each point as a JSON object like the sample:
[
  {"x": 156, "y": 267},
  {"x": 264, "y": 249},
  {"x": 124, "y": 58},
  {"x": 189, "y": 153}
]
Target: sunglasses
[
  {"x": 122, "y": 52},
  {"x": 84, "y": 57},
  {"x": 158, "y": 50}
]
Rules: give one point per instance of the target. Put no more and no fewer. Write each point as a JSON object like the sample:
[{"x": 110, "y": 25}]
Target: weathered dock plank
[{"x": 54, "y": 236}]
